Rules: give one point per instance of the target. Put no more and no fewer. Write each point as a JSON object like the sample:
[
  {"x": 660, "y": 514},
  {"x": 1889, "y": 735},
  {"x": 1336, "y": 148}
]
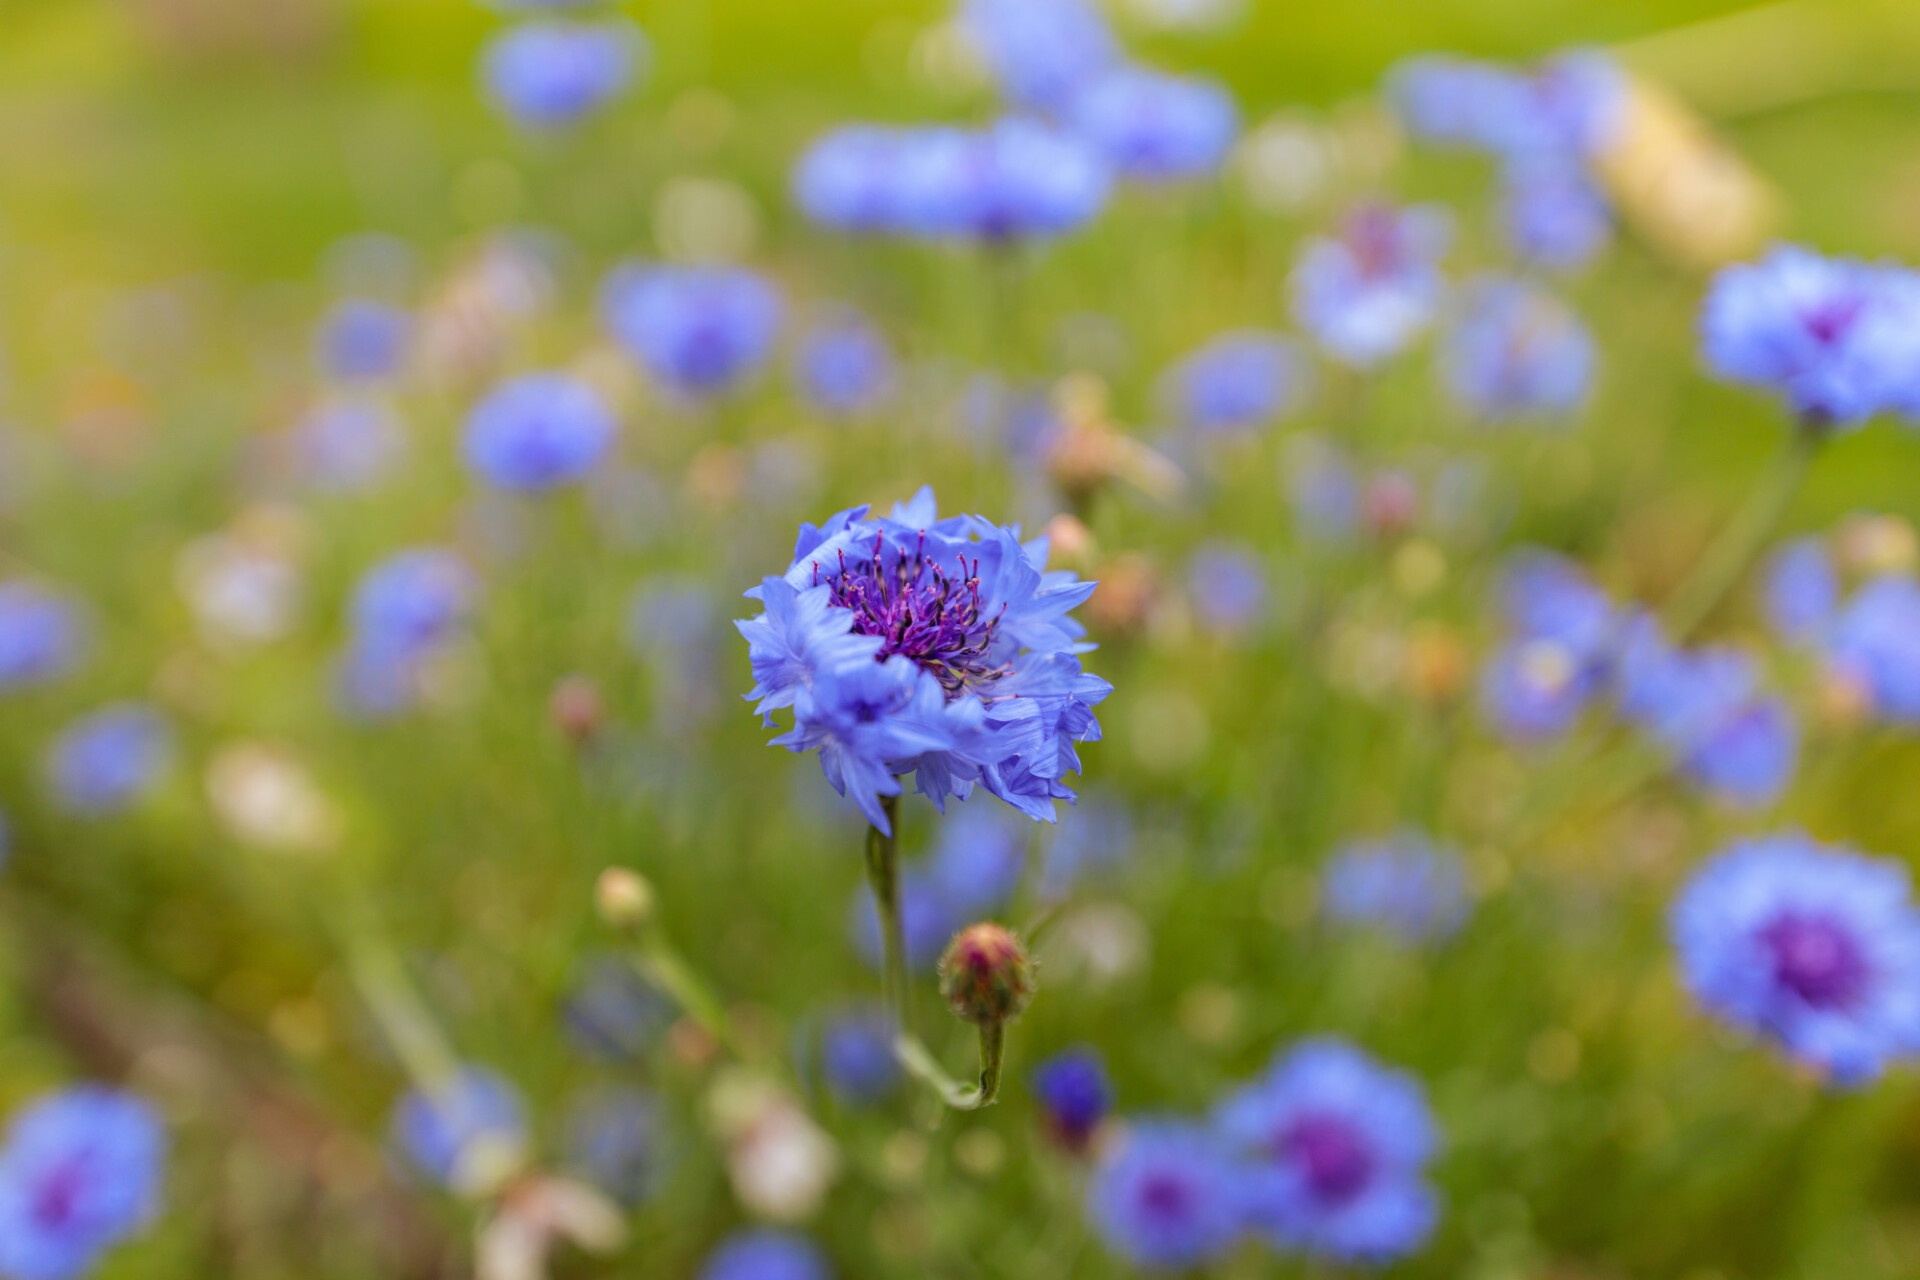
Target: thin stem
[
  {"x": 993, "y": 1049},
  {"x": 924, "y": 1067},
  {"x": 661, "y": 964},
  {"x": 883, "y": 872},
  {"x": 408, "y": 1026},
  {"x": 1717, "y": 571}
]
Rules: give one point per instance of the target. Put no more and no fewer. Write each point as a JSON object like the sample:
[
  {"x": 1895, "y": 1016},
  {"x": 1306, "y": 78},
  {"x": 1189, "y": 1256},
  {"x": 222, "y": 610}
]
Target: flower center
[
  {"x": 1335, "y": 1158},
  {"x": 57, "y": 1197},
  {"x": 1817, "y": 959},
  {"x": 1164, "y": 1197},
  {"x": 921, "y": 611}
]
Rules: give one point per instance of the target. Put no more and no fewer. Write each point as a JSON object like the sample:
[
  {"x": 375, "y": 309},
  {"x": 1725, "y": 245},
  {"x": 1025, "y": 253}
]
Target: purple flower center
[
  {"x": 1817, "y": 959},
  {"x": 1830, "y": 322},
  {"x": 56, "y": 1199},
  {"x": 922, "y": 611},
  {"x": 1373, "y": 234},
  {"x": 1165, "y": 1196},
  {"x": 1332, "y": 1154}
]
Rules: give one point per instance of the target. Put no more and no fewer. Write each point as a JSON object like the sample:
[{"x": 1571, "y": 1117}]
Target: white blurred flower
[
  {"x": 537, "y": 1213},
  {"x": 1288, "y": 163},
  {"x": 266, "y": 799},
  {"x": 241, "y": 593},
  {"x": 780, "y": 1162},
  {"x": 1100, "y": 944}
]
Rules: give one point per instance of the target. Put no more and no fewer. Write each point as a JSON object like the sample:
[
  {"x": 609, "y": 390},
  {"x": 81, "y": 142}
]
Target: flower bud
[
  {"x": 985, "y": 975},
  {"x": 623, "y": 898},
  {"x": 576, "y": 709}
]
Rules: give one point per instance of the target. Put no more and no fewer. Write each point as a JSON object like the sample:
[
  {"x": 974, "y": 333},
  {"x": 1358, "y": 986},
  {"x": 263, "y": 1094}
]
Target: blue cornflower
[
  {"x": 537, "y": 432},
  {"x": 849, "y": 178},
  {"x": 1835, "y": 338},
  {"x": 617, "y": 1137},
  {"x": 1553, "y": 215},
  {"x": 763, "y": 1253},
  {"x": 1814, "y": 947},
  {"x": 1041, "y": 52},
  {"x": 1165, "y": 1194},
  {"x": 1567, "y": 109},
  {"x": 547, "y": 75},
  {"x": 940, "y": 648},
  {"x": 1537, "y": 684},
  {"x": 1369, "y": 291},
  {"x": 1406, "y": 884},
  {"x": 361, "y": 338},
  {"x": 1338, "y": 1143},
  {"x": 466, "y": 1131},
  {"x": 1074, "y": 1096},
  {"x": 1875, "y": 639},
  {"x": 1706, "y": 706},
  {"x": 1517, "y": 351},
  {"x": 43, "y": 634},
  {"x": 413, "y": 601},
  {"x": 1228, "y": 584},
  {"x": 844, "y": 365},
  {"x": 856, "y": 1055},
  {"x": 1017, "y": 179},
  {"x": 1156, "y": 127},
  {"x": 613, "y": 1013},
  {"x": 1237, "y": 381},
  {"x": 928, "y": 921},
  {"x": 1454, "y": 101},
  {"x": 977, "y": 861},
  {"x": 345, "y": 445},
  {"x": 1802, "y": 590},
  {"x": 103, "y": 762},
  {"x": 79, "y": 1173},
  {"x": 700, "y": 330}
]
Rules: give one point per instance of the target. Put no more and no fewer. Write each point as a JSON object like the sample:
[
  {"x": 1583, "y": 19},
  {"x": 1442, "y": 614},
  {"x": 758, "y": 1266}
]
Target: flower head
[
  {"x": 985, "y": 975},
  {"x": 538, "y": 432},
  {"x": 856, "y": 1055},
  {"x": 1802, "y": 590},
  {"x": 1156, "y": 127},
  {"x": 1876, "y": 639},
  {"x": 1558, "y": 658},
  {"x": 413, "y": 601},
  {"x": 1338, "y": 1143},
  {"x": 1406, "y": 884},
  {"x": 80, "y": 1172},
  {"x": 1517, "y": 351},
  {"x": 43, "y": 634},
  {"x": 1237, "y": 381},
  {"x": 346, "y": 445},
  {"x": 364, "y": 339},
  {"x": 766, "y": 1254},
  {"x": 1707, "y": 707},
  {"x": 1074, "y": 1096},
  {"x": 1813, "y": 947},
  {"x": 1166, "y": 1194},
  {"x": 617, "y": 1137},
  {"x": 1041, "y": 52},
  {"x": 466, "y": 1133},
  {"x": 1553, "y": 215},
  {"x": 1368, "y": 291},
  {"x": 700, "y": 330},
  {"x": 103, "y": 762},
  {"x": 940, "y": 648},
  {"x": 1835, "y": 338},
  {"x": 547, "y": 75},
  {"x": 844, "y": 365}
]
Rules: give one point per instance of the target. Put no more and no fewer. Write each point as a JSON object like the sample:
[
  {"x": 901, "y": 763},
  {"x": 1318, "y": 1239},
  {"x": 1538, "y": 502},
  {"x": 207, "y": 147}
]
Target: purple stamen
[
  {"x": 920, "y": 610},
  {"x": 1817, "y": 959},
  {"x": 1335, "y": 1158}
]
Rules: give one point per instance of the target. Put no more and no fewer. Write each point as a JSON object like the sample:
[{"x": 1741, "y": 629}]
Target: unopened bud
[
  {"x": 576, "y": 708},
  {"x": 985, "y": 975},
  {"x": 623, "y": 898}
]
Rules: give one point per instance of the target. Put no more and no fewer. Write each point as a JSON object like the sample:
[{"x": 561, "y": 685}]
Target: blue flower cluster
[
  {"x": 937, "y": 648},
  {"x": 80, "y": 1172},
  {"x": 1836, "y": 339},
  {"x": 1705, "y": 706},
  {"x": 1813, "y": 947},
  {"x": 1323, "y": 1154}
]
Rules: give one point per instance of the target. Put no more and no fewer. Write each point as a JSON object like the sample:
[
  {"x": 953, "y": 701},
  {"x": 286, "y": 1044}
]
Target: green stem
[
  {"x": 924, "y": 1067},
  {"x": 883, "y": 872},
  {"x": 993, "y": 1049},
  {"x": 667, "y": 969},
  {"x": 1717, "y": 571}
]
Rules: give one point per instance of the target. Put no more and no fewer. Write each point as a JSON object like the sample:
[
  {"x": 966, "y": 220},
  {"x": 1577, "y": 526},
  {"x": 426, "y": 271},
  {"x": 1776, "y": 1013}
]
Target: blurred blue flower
[
  {"x": 412, "y": 601},
  {"x": 346, "y": 445},
  {"x": 617, "y": 1138},
  {"x": 361, "y": 338},
  {"x": 1517, "y": 351},
  {"x": 856, "y": 1055},
  {"x": 849, "y": 178},
  {"x": 673, "y": 614},
  {"x": 1165, "y": 1194},
  {"x": 1553, "y": 215},
  {"x": 103, "y": 762},
  {"x": 1099, "y": 837},
  {"x": 1228, "y": 583},
  {"x": 1338, "y": 1144},
  {"x": 1454, "y": 101},
  {"x": 1707, "y": 707},
  {"x": 941, "y": 648},
  {"x": 844, "y": 365},
  {"x": 537, "y": 432},
  {"x": 1407, "y": 884},
  {"x": 700, "y": 330},
  {"x": 1569, "y": 108},
  {"x": 547, "y": 75},
  {"x": 466, "y": 1126},
  {"x": 763, "y": 1253},
  {"x": 1324, "y": 488},
  {"x": 43, "y": 634},
  {"x": 1074, "y": 1096},
  {"x": 1238, "y": 381},
  {"x": 1802, "y": 590},
  {"x": 1813, "y": 947},
  {"x": 612, "y": 1012},
  {"x": 1368, "y": 292},
  {"x": 1156, "y": 127},
  {"x": 928, "y": 919},
  {"x": 1041, "y": 52},
  {"x": 1876, "y": 640},
  {"x": 80, "y": 1172},
  {"x": 1837, "y": 339},
  {"x": 1558, "y": 658},
  {"x": 977, "y": 860}
]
